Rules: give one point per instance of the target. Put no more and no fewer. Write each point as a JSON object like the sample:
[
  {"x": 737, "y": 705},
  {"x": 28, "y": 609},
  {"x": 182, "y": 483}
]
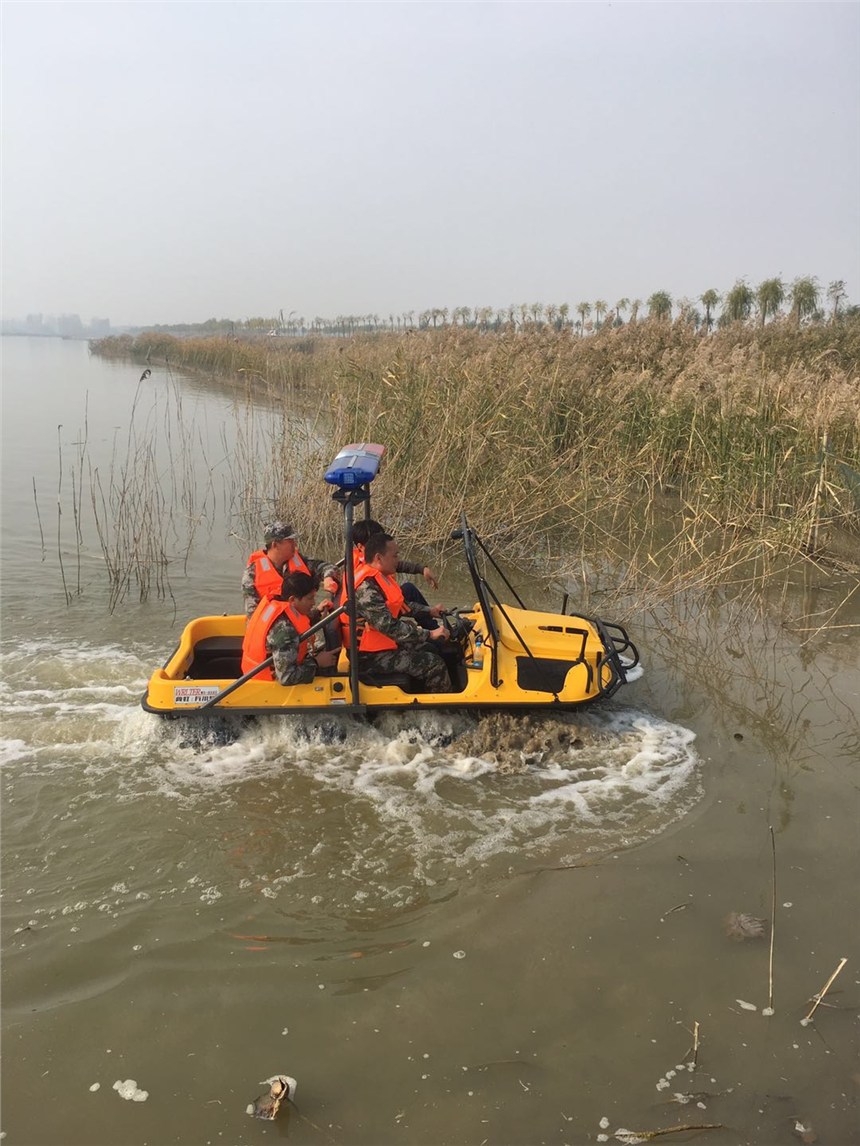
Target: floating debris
[
  {"x": 746, "y": 1006},
  {"x": 130, "y": 1091},
  {"x": 805, "y": 1132},
  {"x": 740, "y": 926},
  {"x": 281, "y": 1089}
]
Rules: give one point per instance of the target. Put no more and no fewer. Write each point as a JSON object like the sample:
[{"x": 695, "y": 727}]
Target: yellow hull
[{"x": 542, "y": 660}]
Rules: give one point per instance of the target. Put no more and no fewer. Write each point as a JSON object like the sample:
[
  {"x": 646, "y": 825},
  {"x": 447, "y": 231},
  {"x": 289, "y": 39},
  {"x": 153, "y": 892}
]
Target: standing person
[
  {"x": 267, "y": 567},
  {"x": 390, "y": 640},
  {"x": 276, "y": 628}
]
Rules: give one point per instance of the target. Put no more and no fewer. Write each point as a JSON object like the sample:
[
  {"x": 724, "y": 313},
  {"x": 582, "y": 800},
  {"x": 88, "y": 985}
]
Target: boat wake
[{"x": 362, "y": 813}]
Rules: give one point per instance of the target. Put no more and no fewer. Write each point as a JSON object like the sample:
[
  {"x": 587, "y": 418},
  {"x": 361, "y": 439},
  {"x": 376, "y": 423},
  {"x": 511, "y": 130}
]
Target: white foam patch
[
  {"x": 129, "y": 1090},
  {"x": 644, "y": 760},
  {"x": 11, "y": 750}
]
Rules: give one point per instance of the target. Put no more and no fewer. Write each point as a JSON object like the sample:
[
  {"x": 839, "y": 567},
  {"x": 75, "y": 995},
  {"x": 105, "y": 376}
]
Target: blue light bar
[{"x": 355, "y": 465}]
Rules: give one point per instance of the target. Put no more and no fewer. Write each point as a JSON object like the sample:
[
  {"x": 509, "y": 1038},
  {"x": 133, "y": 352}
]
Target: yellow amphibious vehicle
[{"x": 513, "y": 657}]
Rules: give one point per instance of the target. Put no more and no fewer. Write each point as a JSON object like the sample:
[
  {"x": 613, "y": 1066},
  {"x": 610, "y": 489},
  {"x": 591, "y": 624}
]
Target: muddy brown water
[{"x": 446, "y": 932}]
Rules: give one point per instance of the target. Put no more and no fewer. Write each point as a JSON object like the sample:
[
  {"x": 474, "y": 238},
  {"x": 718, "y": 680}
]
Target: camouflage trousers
[{"x": 424, "y": 663}]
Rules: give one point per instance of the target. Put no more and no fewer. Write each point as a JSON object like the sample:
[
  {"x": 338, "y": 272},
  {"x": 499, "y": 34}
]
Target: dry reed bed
[{"x": 647, "y": 450}]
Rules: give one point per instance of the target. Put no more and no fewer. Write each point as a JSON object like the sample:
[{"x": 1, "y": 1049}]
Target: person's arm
[
  {"x": 370, "y": 605},
  {"x": 412, "y": 567},
  {"x": 282, "y": 642},
  {"x": 250, "y": 595},
  {"x": 324, "y": 574}
]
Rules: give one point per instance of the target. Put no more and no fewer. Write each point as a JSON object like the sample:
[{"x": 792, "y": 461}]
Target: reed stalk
[
  {"x": 769, "y": 1009},
  {"x": 39, "y": 520},
  {"x": 820, "y": 996},
  {"x": 66, "y": 592}
]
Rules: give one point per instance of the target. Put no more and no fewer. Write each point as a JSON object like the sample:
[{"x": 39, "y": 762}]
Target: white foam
[
  {"x": 12, "y": 750},
  {"x": 619, "y": 775}
]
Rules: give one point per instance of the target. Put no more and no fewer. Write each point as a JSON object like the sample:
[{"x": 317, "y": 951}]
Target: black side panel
[{"x": 542, "y": 674}]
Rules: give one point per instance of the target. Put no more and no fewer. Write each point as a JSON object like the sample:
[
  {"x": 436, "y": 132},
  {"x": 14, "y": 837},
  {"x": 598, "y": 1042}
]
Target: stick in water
[
  {"x": 818, "y": 998},
  {"x": 647, "y": 1135},
  {"x": 768, "y": 1010}
]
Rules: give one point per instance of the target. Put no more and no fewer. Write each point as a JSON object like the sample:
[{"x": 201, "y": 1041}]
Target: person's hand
[
  {"x": 325, "y": 606},
  {"x": 437, "y": 610},
  {"x": 438, "y": 634},
  {"x": 430, "y": 577},
  {"x": 328, "y": 658},
  {"x": 330, "y": 585}
]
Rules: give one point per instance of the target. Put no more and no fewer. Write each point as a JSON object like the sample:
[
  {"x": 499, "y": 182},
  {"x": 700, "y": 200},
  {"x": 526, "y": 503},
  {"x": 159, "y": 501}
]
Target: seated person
[
  {"x": 361, "y": 531},
  {"x": 267, "y": 567},
  {"x": 390, "y": 640},
  {"x": 275, "y": 629}
]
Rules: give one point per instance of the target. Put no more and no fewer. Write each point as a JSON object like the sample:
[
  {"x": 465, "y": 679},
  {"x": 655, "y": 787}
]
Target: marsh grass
[
  {"x": 638, "y": 459},
  {"x": 144, "y": 504}
]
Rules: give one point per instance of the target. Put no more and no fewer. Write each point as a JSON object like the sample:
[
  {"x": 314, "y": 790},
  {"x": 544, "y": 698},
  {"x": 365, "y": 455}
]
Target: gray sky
[{"x": 173, "y": 162}]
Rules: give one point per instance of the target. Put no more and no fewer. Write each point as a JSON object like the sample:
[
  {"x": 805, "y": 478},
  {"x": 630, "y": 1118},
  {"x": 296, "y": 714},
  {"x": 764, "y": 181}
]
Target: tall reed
[{"x": 630, "y": 455}]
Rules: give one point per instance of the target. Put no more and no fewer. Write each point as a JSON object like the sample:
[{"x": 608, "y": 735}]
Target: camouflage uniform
[
  {"x": 319, "y": 570},
  {"x": 282, "y": 641},
  {"x": 415, "y": 653}
]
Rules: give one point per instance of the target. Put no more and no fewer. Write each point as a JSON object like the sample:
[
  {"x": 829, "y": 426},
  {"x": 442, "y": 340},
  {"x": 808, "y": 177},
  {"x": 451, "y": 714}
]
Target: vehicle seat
[{"x": 216, "y": 658}]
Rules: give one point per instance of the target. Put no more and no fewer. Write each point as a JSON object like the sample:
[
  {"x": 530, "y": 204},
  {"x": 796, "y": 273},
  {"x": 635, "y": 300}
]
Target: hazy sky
[{"x": 173, "y": 162}]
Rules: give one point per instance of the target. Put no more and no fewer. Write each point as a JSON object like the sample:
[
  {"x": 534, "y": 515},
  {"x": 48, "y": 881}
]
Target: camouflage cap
[{"x": 278, "y": 531}]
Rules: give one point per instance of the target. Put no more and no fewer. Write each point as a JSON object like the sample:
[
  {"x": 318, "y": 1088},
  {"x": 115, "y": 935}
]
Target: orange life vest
[
  {"x": 254, "y": 649},
  {"x": 371, "y": 640},
  {"x": 357, "y": 562},
  {"x": 297, "y": 564},
  {"x": 267, "y": 578}
]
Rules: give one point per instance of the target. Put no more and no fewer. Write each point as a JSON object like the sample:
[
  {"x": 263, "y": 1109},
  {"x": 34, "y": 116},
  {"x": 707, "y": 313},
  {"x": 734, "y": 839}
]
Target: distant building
[{"x": 70, "y": 326}]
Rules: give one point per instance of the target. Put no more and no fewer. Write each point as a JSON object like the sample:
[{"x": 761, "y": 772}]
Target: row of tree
[{"x": 803, "y": 298}]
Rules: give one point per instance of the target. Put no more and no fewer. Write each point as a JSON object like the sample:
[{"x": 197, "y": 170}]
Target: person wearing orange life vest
[
  {"x": 275, "y": 629},
  {"x": 390, "y": 640},
  {"x": 267, "y": 567}
]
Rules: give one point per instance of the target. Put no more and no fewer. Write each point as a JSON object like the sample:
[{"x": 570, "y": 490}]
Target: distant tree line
[{"x": 801, "y": 301}]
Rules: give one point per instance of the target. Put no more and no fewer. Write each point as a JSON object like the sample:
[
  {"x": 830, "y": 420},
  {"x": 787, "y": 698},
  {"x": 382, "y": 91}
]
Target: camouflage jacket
[
  {"x": 371, "y": 606},
  {"x": 320, "y": 570},
  {"x": 282, "y": 641},
  {"x": 410, "y": 567}
]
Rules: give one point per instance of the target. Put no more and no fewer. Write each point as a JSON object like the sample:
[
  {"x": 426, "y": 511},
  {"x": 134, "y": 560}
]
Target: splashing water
[{"x": 357, "y": 814}]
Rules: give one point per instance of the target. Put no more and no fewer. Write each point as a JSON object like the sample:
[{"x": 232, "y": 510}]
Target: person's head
[
  {"x": 280, "y": 539},
  {"x": 298, "y": 590},
  {"x": 364, "y": 529},
  {"x": 382, "y": 553}
]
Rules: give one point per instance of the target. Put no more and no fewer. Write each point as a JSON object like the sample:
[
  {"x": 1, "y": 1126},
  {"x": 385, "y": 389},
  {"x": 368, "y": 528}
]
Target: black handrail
[
  {"x": 485, "y": 591},
  {"x": 500, "y": 573}
]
